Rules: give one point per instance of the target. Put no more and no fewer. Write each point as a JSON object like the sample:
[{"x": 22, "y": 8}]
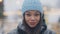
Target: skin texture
[{"x": 32, "y": 18}]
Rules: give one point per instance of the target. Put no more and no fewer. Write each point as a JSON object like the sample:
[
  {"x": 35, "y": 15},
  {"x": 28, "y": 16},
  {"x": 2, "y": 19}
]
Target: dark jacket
[{"x": 20, "y": 30}]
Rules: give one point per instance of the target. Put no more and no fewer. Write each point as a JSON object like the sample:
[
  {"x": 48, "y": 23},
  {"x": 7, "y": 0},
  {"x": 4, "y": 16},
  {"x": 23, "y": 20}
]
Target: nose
[{"x": 32, "y": 18}]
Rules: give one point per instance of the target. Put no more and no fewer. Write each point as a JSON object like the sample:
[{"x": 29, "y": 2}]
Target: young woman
[{"x": 33, "y": 19}]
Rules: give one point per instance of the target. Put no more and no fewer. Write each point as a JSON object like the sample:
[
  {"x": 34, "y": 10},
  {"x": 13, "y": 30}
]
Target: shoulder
[
  {"x": 49, "y": 32},
  {"x": 15, "y": 31}
]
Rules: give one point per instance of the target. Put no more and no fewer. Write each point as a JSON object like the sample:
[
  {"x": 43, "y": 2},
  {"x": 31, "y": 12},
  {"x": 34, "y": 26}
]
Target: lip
[{"x": 32, "y": 23}]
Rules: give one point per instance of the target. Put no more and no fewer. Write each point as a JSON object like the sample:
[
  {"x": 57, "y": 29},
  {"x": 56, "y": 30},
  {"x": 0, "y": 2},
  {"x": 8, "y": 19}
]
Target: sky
[{"x": 11, "y": 5}]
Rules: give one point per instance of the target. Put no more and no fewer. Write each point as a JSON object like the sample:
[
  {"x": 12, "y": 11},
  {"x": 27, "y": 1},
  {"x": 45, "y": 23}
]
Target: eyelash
[
  {"x": 30, "y": 15},
  {"x": 36, "y": 14}
]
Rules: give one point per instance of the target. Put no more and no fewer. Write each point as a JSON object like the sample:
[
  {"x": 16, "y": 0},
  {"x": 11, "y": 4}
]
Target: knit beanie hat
[{"x": 32, "y": 5}]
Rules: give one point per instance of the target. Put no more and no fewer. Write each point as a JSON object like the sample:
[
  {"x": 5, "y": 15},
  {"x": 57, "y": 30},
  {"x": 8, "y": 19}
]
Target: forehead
[{"x": 32, "y": 11}]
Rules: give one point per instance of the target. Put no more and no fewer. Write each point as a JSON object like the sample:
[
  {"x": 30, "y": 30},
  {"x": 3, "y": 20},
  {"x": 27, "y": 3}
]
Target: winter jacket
[{"x": 21, "y": 31}]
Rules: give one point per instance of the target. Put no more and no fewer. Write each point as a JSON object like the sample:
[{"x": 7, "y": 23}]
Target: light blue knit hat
[{"x": 32, "y": 5}]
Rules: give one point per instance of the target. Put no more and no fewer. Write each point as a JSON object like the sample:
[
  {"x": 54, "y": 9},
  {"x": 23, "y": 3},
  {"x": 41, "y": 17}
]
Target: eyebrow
[
  {"x": 37, "y": 12},
  {"x": 32, "y": 10}
]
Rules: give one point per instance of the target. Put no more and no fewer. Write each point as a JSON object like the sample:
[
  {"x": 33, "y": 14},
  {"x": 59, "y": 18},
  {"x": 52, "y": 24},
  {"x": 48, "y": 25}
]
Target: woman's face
[{"x": 32, "y": 18}]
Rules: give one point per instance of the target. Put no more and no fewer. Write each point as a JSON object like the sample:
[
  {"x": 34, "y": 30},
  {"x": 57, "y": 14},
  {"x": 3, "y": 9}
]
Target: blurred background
[{"x": 11, "y": 14}]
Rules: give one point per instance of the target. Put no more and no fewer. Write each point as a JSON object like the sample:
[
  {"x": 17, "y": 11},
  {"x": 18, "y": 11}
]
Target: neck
[{"x": 34, "y": 30}]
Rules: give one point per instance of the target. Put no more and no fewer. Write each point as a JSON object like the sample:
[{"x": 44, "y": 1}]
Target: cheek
[
  {"x": 38, "y": 18},
  {"x": 26, "y": 19}
]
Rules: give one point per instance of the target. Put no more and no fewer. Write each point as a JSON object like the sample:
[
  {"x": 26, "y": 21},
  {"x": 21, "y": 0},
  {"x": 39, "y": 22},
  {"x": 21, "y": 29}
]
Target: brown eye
[
  {"x": 37, "y": 14},
  {"x": 28, "y": 14}
]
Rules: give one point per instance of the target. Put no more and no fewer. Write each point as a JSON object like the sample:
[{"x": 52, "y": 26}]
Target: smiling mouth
[{"x": 32, "y": 23}]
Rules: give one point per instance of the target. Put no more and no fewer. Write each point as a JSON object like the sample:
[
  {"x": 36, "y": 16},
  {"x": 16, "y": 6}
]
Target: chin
[{"x": 32, "y": 26}]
